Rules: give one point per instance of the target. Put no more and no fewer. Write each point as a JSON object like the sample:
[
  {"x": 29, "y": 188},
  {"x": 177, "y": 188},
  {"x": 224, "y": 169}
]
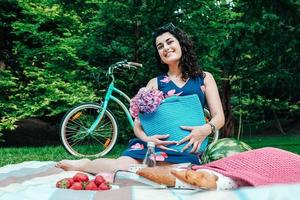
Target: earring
[{"x": 162, "y": 62}]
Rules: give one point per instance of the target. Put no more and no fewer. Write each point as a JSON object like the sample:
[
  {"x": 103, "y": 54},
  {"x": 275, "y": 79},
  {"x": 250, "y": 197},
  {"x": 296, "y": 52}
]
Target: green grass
[
  {"x": 289, "y": 142},
  {"x": 12, "y": 155}
]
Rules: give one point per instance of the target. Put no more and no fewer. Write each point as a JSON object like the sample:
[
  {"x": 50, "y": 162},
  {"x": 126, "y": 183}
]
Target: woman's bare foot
[{"x": 73, "y": 165}]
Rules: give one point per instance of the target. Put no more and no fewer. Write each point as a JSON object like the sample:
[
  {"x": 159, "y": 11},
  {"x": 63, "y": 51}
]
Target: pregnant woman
[{"x": 181, "y": 75}]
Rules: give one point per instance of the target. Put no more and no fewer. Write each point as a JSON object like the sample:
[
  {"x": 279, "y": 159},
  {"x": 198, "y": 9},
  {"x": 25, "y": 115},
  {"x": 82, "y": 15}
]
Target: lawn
[
  {"x": 289, "y": 142},
  {"x": 11, "y": 155}
]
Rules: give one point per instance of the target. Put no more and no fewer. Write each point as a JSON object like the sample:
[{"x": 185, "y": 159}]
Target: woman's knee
[{"x": 124, "y": 162}]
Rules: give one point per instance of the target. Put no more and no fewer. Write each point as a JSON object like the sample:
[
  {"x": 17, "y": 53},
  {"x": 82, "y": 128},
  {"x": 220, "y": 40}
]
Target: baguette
[
  {"x": 200, "y": 179},
  {"x": 160, "y": 175}
]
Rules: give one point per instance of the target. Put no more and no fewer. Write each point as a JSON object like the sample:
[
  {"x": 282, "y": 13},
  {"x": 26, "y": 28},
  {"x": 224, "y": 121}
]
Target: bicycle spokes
[{"x": 83, "y": 141}]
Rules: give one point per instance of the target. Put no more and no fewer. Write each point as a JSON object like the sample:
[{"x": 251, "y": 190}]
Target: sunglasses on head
[{"x": 167, "y": 27}]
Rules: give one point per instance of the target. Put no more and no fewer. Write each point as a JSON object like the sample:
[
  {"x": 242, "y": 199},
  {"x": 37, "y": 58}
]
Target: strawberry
[
  {"x": 64, "y": 183},
  {"x": 80, "y": 177},
  {"x": 76, "y": 186},
  {"x": 71, "y": 181},
  {"x": 104, "y": 186},
  {"x": 99, "y": 179},
  {"x": 91, "y": 186},
  {"x": 84, "y": 184},
  {"x": 109, "y": 177}
]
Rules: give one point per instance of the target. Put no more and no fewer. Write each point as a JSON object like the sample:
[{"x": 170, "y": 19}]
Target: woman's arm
[
  {"x": 152, "y": 84},
  {"x": 138, "y": 130},
  {"x": 199, "y": 133},
  {"x": 159, "y": 140},
  {"x": 214, "y": 101}
]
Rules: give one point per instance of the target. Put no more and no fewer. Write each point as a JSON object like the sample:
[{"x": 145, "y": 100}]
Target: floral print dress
[{"x": 138, "y": 148}]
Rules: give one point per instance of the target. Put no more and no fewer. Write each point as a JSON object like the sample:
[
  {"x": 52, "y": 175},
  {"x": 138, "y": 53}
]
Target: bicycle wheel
[{"x": 78, "y": 141}]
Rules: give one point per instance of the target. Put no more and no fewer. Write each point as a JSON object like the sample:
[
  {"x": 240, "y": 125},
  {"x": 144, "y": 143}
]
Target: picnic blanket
[
  {"x": 35, "y": 180},
  {"x": 259, "y": 167}
]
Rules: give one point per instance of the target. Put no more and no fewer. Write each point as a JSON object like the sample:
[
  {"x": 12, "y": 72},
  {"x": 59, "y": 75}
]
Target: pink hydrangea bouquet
[{"x": 145, "y": 101}]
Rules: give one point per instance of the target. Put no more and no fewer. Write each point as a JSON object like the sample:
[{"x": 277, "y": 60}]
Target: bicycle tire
[{"x": 75, "y": 138}]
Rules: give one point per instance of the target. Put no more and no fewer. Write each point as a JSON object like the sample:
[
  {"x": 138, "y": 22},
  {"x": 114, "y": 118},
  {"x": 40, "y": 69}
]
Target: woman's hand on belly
[
  {"x": 196, "y": 137},
  {"x": 160, "y": 141}
]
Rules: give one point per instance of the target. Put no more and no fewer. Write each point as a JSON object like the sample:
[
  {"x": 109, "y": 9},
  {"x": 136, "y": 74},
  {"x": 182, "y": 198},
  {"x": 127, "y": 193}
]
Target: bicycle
[{"x": 90, "y": 129}]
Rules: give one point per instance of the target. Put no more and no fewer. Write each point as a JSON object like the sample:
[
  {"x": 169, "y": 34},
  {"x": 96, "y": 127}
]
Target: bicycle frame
[{"x": 104, "y": 105}]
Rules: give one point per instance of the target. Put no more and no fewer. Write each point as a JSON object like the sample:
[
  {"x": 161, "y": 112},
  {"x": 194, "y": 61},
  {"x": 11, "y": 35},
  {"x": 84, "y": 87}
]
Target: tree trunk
[
  {"x": 137, "y": 35},
  {"x": 278, "y": 124},
  {"x": 228, "y": 129},
  {"x": 240, "y": 117}
]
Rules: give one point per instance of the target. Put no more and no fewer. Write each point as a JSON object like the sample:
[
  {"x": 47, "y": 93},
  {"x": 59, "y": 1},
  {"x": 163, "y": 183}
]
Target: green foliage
[
  {"x": 253, "y": 51},
  {"x": 47, "y": 76},
  {"x": 265, "y": 61},
  {"x": 54, "y": 49}
]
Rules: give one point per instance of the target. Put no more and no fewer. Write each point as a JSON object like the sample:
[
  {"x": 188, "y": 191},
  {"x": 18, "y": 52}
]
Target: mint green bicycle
[{"x": 90, "y": 129}]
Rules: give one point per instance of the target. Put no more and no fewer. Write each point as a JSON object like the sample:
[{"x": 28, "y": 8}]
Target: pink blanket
[{"x": 259, "y": 167}]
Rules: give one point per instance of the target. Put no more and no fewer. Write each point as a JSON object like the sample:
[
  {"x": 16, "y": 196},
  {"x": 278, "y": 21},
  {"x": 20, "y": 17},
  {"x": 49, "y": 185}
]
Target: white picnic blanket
[{"x": 35, "y": 180}]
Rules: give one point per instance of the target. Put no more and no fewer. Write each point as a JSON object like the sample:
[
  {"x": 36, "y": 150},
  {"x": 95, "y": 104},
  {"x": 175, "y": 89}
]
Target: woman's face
[{"x": 168, "y": 48}]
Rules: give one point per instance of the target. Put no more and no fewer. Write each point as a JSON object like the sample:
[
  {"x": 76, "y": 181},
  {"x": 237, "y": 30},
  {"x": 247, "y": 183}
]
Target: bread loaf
[
  {"x": 160, "y": 175},
  {"x": 201, "y": 179},
  {"x": 167, "y": 176}
]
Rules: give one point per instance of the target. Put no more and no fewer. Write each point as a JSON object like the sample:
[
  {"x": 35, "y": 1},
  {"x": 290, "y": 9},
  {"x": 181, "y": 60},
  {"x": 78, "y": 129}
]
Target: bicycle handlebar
[
  {"x": 124, "y": 63},
  {"x": 135, "y": 64},
  {"x": 120, "y": 64}
]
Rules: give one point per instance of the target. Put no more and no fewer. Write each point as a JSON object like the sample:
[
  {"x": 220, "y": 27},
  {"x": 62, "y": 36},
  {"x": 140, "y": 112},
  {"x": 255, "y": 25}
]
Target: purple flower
[{"x": 145, "y": 101}]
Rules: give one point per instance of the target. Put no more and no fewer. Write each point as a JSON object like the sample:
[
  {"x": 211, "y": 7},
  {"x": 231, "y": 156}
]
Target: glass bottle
[{"x": 149, "y": 159}]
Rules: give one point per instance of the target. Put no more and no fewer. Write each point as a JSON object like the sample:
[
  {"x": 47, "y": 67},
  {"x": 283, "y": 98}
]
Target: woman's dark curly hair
[{"x": 188, "y": 62}]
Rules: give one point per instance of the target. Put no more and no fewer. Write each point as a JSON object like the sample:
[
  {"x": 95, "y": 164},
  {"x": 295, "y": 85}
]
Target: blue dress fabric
[{"x": 138, "y": 148}]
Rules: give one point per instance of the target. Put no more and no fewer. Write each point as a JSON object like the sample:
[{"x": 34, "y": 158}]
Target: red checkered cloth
[{"x": 259, "y": 167}]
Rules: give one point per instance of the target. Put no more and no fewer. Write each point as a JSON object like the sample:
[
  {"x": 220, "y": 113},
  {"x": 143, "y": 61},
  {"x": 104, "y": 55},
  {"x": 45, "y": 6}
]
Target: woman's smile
[{"x": 169, "y": 53}]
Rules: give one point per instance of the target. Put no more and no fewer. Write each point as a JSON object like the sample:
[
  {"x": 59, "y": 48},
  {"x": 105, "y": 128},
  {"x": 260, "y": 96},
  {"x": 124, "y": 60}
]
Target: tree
[
  {"x": 52, "y": 51},
  {"x": 44, "y": 74},
  {"x": 251, "y": 48}
]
